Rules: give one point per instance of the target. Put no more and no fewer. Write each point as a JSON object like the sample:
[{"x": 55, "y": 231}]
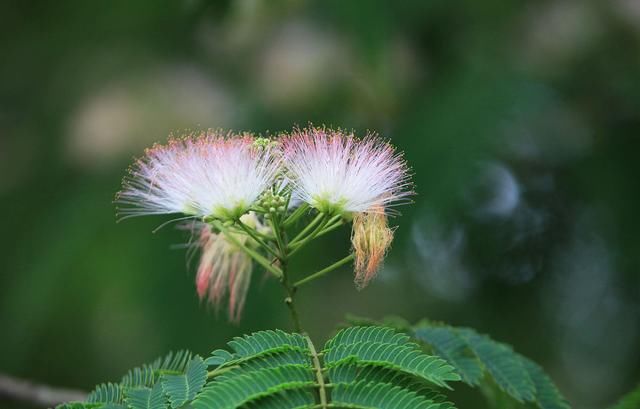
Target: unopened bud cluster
[
  {"x": 273, "y": 203},
  {"x": 264, "y": 143}
]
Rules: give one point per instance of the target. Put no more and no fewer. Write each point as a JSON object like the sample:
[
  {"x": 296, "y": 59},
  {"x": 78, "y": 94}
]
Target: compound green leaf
[
  {"x": 182, "y": 388},
  {"x": 146, "y": 398}
]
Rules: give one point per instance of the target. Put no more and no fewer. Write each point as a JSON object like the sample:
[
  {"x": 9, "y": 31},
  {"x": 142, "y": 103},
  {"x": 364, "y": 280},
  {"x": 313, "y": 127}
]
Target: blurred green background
[{"x": 520, "y": 120}]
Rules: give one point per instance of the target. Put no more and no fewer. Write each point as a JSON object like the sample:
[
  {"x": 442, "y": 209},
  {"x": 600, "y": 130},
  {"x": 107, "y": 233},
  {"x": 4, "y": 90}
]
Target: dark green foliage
[
  {"x": 402, "y": 358},
  {"x": 547, "y": 395},
  {"x": 183, "y": 388},
  {"x": 275, "y": 360},
  {"x": 454, "y": 349},
  {"x": 276, "y": 369},
  {"x": 218, "y": 357},
  {"x": 287, "y": 399},
  {"x": 148, "y": 374},
  {"x": 229, "y": 393},
  {"x": 147, "y": 398},
  {"x": 366, "y": 395},
  {"x": 106, "y": 393},
  {"x": 264, "y": 342},
  {"x": 475, "y": 356},
  {"x": 362, "y": 367},
  {"x": 354, "y": 335},
  {"x": 140, "y": 388},
  {"x": 502, "y": 364},
  {"x": 386, "y": 348},
  {"x": 349, "y": 373}
]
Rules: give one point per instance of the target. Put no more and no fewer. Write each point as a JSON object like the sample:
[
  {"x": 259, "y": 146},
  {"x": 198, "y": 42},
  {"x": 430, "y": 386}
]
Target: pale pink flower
[
  {"x": 210, "y": 174},
  {"x": 224, "y": 271},
  {"x": 336, "y": 172}
]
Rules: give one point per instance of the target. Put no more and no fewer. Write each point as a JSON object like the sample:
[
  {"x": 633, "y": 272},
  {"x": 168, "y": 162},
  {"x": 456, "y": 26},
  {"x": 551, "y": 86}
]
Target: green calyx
[
  {"x": 328, "y": 206},
  {"x": 233, "y": 213}
]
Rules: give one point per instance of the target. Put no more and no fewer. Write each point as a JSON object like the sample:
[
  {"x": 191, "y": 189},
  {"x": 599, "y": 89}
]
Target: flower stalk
[
  {"x": 290, "y": 302},
  {"x": 247, "y": 195},
  {"x": 255, "y": 235},
  {"x": 260, "y": 259},
  {"x": 325, "y": 270},
  {"x": 308, "y": 228},
  {"x": 296, "y": 215}
]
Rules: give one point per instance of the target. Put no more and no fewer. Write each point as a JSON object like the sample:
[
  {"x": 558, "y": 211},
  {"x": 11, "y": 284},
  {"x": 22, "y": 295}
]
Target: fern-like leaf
[
  {"x": 372, "y": 395},
  {"x": 219, "y": 357},
  {"x": 287, "y": 399},
  {"x": 503, "y": 365},
  {"x": 454, "y": 349},
  {"x": 354, "y": 335},
  {"x": 148, "y": 374},
  {"x": 264, "y": 341},
  {"x": 233, "y": 392},
  {"x": 351, "y": 372},
  {"x": 173, "y": 361},
  {"x": 547, "y": 394},
  {"x": 143, "y": 376},
  {"x": 404, "y": 358},
  {"x": 274, "y": 360},
  {"x": 106, "y": 393},
  {"x": 182, "y": 388},
  {"x": 146, "y": 398},
  {"x": 514, "y": 374},
  {"x": 360, "y": 368}
]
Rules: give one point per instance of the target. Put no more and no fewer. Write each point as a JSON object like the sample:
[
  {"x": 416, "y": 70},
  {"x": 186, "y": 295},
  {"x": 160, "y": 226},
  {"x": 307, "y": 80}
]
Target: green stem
[
  {"x": 322, "y": 392},
  {"x": 293, "y": 217},
  {"x": 278, "y": 236},
  {"x": 330, "y": 228},
  {"x": 294, "y": 247},
  {"x": 284, "y": 279},
  {"x": 219, "y": 371},
  {"x": 325, "y": 270},
  {"x": 290, "y": 299},
  {"x": 308, "y": 228},
  {"x": 253, "y": 234},
  {"x": 256, "y": 256}
]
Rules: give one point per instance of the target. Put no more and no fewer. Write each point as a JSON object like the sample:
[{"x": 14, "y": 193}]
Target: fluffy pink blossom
[
  {"x": 336, "y": 172},
  {"x": 224, "y": 271},
  {"x": 210, "y": 174}
]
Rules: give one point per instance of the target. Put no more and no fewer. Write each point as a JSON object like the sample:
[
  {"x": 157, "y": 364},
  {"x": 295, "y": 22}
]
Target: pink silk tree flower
[
  {"x": 336, "y": 172},
  {"x": 370, "y": 240},
  {"x": 206, "y": 175},
  {"x": 224, "y": 271}
]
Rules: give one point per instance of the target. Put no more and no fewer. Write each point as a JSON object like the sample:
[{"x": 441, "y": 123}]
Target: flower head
[
  {"x": 224, "y": 269},
  {"x": 370, "y": 239},
  {"x": 210, "y": 174},
  {"x": 336, "y": 172}
]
